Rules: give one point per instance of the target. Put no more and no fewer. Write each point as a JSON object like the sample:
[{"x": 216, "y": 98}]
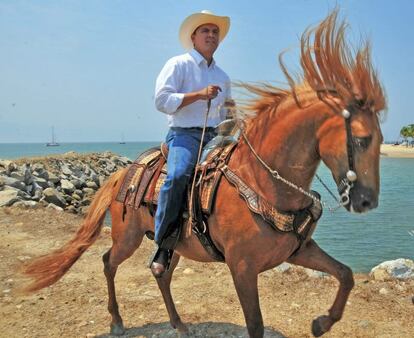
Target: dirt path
[{"x": 203, "y": 293}]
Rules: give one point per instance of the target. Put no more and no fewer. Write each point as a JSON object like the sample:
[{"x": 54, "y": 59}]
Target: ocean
[{"x": 358, "y": 240}]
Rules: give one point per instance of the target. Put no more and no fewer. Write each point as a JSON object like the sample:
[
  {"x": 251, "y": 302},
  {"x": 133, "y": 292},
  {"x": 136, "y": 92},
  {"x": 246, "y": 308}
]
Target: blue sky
[{"x": 88, "y": 68}]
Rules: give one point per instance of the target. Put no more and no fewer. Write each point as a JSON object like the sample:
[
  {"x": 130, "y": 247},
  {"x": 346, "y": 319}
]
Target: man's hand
[{"x": 210, "y": 92}]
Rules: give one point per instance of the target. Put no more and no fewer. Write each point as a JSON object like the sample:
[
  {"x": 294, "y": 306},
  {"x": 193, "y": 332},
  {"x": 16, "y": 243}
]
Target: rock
[
  {"x": 17, "y": 175},
  {"x": 395, "y": 269},
  {"x": 79, "y": 192},
  {"x": 65, "y": 170},
  {"x": 53, "y": 178},
  {"x": 13, "y": 182},
  {"x": 314, "y": 274},
  {"x": 53, "y": 196},
  {"x": 67, "y": 186},
  {"x": 41, "y": 182},
  {"x": 8, "y": 197},
  {"x": 25, "y": 204},
  {"x": 92, "y": 185},
  {"x": 88, "y": 191},
  {"x": 284, "y": 267},
  {"x": 383, "y": 291},
  {"x": 71, "y": 209},
  {"x": 41, "y": 173},
  {"x": 77, "y": 182},
  {"x": 53, "y": 206},
  {"x": 101, "y": 180},
  {"x": 76, "y": 197}
]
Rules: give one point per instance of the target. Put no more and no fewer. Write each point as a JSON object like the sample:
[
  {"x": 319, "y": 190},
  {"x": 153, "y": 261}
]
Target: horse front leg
[
  {"x": 245, "y": 281},
  {"x": 313, "y": 257}
]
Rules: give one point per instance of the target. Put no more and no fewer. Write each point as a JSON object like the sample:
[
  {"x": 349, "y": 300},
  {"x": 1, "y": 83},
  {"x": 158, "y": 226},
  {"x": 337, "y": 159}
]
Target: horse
[{"x": 328, "y": 114}]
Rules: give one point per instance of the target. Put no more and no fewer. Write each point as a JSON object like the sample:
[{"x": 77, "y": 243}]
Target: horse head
[
  {"x": 349, "y": 138},
  {"x": 341, "y": 98}
]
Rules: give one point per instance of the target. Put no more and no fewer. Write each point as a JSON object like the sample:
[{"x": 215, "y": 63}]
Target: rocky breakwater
[{"x": 63, "y": 182}]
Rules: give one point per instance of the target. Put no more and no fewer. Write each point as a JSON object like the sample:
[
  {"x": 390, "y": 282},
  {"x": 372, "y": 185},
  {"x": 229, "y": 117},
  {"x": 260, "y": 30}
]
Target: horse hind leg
[
  {"x": 164, "y": 283},
  {"x": 127, "y": 237},
  {"x": 313, "y": 257}
]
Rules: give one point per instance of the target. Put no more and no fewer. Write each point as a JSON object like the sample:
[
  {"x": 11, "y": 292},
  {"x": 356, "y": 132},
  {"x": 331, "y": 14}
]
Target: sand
[
  {"x": 397, "y": 151},
  {"x": 204, "y": 294}
]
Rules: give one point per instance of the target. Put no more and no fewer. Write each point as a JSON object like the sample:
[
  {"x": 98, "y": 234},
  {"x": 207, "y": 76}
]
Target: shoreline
[{"x": 397, "y": 151}]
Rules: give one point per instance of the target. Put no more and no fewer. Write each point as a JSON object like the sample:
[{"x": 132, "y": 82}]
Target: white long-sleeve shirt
[{"x": 189, "y": 73}]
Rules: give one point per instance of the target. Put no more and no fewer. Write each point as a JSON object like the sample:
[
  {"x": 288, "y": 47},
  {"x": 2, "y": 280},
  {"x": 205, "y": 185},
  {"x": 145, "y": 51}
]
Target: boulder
[
  {"x": 17, "y": 175},
  {"x": 88, "y": 191},
  {"x": 77, "y": 182},
  {"x": 53, "y": 178},
  {"x": 8, "y": 197},
  {"x": 67, "y": 186},
  {"x": 65, "y": 170},
  {"x": 53, "y": 196},
  {"x": 284, "y": 267},
  {"x": 19, "y": 192},
  {"x": 92, "y": 184},
  {"x": 13, "y": 182},
  {"x": 41, "y": 182},
  {"x": 41, "y": 173},
  {"x": 400, "y": 268},
  {"x": 26, "y": 204}
]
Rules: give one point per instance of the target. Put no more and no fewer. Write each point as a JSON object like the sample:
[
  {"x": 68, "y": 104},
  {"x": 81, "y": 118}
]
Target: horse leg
[
  {"x": 313, "y": 257},
  {"x": 164, "y": 284},
  {"x": 120, "y": 251},
  {"x": 245, "y": 282}
]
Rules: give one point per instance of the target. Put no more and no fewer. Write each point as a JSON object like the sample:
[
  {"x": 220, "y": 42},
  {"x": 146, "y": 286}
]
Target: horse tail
[{"x": 48, "y": 269}]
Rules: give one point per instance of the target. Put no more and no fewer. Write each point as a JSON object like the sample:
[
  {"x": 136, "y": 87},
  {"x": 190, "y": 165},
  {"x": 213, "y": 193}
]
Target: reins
[{"x": 191, "y": 218}]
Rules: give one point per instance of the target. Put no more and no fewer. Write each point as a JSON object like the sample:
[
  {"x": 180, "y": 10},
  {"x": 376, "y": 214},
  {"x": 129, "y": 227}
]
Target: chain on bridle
[{"x": 345, "y": 185}]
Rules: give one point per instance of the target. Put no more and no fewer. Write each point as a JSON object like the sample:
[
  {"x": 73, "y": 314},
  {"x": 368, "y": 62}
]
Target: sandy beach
[{"x": 397, "y": 151}]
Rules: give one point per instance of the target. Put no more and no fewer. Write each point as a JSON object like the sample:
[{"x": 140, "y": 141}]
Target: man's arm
[{"x": 210, "y": 92}]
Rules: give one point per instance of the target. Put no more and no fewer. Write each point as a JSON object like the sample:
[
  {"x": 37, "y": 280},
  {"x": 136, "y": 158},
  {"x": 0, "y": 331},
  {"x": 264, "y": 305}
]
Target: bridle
[{"x": 345, "y": 185}]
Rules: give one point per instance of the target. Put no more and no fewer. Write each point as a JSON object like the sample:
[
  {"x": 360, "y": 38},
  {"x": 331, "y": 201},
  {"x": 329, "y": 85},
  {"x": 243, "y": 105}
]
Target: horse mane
[{"x": 329, "y": 67}]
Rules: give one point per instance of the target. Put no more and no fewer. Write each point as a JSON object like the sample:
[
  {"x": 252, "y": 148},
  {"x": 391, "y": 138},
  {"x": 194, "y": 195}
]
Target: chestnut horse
[{"x": 330, "y": 114}]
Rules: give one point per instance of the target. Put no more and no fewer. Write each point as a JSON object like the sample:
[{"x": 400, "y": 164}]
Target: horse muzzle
[{"x": 362, "y": 199}]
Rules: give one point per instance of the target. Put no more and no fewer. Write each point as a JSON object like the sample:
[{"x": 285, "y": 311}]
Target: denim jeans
[{"x": 183, "y": 145}]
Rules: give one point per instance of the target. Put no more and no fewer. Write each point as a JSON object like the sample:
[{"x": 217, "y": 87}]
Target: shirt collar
[{"x": 198, "y": 58}]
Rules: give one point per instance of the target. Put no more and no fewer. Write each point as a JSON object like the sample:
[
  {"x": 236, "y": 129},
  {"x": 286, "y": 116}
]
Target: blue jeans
[{"x": 183, "y": 144}]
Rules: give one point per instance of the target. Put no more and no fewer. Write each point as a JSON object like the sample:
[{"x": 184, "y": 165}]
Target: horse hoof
[
  {"x": 321, "y": 325},
  {"x": 182, "y": 329},
  {"x": 117, "y": 329}
]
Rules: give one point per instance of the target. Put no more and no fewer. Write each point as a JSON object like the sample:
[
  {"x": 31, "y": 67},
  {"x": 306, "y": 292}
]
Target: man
[{"x": 185, "y": 88}]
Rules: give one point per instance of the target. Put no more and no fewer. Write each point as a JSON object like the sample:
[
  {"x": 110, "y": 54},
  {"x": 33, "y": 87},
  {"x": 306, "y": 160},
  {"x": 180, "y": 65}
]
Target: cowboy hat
[{"x": 195, "y": 20}]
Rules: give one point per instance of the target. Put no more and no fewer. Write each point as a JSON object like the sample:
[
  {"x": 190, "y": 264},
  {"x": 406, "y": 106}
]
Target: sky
[{"x": 88, "y": 67}]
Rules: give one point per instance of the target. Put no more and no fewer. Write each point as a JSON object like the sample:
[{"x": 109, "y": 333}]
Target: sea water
[{"x": 358, "y": 240}]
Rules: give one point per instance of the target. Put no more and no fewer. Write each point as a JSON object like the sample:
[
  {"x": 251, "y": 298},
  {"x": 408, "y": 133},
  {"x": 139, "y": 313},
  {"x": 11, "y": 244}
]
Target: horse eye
[{"x": 362, "y": 143}]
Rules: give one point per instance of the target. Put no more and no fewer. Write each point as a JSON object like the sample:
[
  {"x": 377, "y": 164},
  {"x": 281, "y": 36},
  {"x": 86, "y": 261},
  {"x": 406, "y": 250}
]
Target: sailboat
[
  {"x": 53, "y": 143},
  {"x": 122, "y": 140}
]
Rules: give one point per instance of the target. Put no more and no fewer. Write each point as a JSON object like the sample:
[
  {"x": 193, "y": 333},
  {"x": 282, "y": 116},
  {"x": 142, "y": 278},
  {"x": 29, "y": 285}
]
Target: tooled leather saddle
[{"x": 143, "y": 181}]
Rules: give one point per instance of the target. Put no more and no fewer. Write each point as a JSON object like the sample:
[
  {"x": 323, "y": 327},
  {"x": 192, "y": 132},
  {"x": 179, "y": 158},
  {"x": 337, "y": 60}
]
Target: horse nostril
[{"x": 366, "y": 204}]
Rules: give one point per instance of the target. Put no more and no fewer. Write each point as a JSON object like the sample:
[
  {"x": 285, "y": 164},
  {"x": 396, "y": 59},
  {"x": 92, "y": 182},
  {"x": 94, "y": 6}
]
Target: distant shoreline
[{"x": 397, "y": 151}]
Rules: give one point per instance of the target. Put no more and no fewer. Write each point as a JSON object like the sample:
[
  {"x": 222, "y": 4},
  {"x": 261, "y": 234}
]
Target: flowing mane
[{"x": 329, "y": 67}]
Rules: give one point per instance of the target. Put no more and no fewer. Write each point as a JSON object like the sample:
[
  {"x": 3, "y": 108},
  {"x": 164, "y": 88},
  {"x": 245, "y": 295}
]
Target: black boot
[{"x": 160, "y": 263}]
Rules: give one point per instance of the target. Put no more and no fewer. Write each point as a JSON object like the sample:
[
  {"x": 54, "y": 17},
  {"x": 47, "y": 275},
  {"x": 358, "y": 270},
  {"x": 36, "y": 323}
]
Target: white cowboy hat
[{"x": 195, "y": 20}]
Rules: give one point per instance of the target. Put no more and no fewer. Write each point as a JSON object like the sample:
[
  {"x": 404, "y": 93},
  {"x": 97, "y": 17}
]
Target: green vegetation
[{"x": 407, "y": 132}]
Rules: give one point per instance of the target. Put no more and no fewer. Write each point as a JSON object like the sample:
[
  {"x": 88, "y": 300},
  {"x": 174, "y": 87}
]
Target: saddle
[{"x": 145, "y": 177}]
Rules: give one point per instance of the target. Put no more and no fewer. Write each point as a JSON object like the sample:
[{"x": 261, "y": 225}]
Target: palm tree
[
  {"x": 411, "y": 133},
  {"x": 405, "y": 134}
]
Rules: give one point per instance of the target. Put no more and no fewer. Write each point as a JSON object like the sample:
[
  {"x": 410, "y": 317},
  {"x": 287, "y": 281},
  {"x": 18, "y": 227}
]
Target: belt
[{"x": 208, "y": 129}]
